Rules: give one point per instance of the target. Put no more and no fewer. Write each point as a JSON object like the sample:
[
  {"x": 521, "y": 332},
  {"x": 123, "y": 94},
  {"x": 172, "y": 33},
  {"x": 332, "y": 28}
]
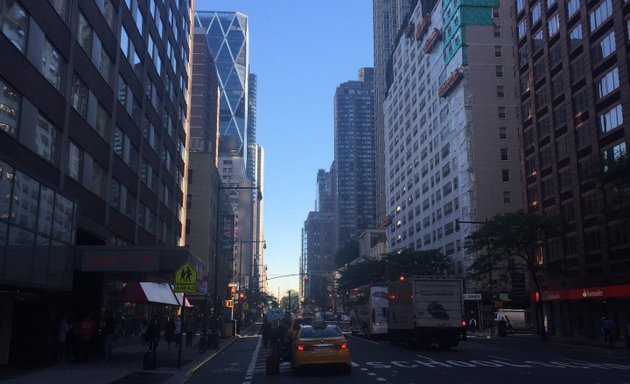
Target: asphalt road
[{"x": 511, "y": 360}]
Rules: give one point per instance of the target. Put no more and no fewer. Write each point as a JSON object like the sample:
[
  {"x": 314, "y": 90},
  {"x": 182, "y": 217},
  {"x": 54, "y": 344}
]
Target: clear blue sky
[{"x": 301, "y": 50}]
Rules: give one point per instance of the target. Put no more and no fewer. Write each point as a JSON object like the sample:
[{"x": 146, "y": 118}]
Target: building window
[
  {"x": 10, "y": 102},
  {"x": 537, "y": 40},
  {"x": 52, "y": 65},
  {"x": 611, "y": 119},
  {"x": 520, "y": 5},
  {"x": 604, "y": 48},
  {"x": 43, "y": 140},
  {"x": 611, "y": 155},
  {"x": 536, "y": 12},
  {"x": 495, "y": 12},
  {"x": 572, "y": 7},
  {"x": 497, "y": 51},
  {"x": 14, "y": 23},
  {"x": 505, "y": 175},
  {"x": 575, "y": 36},
  {"x": 503, "y": 133},
  {"x": 502, "y": 113},
  {"x": 80, "y": 94},
  {"x": 600, "y": 14},
  {"x": 608, "y": 83},
  {"x": 499, "y": 71},
  {"x": 507, "y": 197},
  {"x": 522, "y": 31},
  {"x": 84, "y": 34},
  {"x": 553, "y": 25},
  {"x": 500, "y": 91},
  {"x": 497, "y": 31},
  {"x": 504, "y": 154}
]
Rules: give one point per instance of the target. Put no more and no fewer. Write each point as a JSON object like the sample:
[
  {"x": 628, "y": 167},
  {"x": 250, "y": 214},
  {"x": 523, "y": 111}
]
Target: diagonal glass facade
[{"x": 227, "y": 34}]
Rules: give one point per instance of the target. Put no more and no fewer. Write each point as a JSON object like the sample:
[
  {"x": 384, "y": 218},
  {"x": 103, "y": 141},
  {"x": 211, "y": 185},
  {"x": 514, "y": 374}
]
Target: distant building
[
  {"x": 571, "y": 62},
  {"x": 451, "y": 138},
  {"x": 354, "y": 151}
]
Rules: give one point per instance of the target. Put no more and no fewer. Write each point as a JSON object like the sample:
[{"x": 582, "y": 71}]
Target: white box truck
[{"x": 424, "y": 310}]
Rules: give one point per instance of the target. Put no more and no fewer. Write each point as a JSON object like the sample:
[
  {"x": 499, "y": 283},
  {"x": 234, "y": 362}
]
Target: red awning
[{"x": 149, "y": 292}]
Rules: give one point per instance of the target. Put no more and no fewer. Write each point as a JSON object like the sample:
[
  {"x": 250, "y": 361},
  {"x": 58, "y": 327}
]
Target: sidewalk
[{"x": 124, "y": 367}]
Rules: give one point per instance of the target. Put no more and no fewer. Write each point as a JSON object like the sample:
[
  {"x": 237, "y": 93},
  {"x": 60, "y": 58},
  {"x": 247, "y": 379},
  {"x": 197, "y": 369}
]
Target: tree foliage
[
  {"x": 291, "y": 300},
  {"x": 348, "y": 252},
  {"x": 392, "y": 266},
  {"x": 512, "y": 237}
]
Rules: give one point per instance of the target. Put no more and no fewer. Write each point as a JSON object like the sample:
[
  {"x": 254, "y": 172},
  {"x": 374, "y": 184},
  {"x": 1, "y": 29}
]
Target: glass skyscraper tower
[{"x": 227, "y": 34}]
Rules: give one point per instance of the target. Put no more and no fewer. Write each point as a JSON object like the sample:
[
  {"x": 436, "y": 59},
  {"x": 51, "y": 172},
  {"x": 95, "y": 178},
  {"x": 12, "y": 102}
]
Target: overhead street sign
[
  {"x": 185, "y": 279},
  {"x": 472, "y": 296}
]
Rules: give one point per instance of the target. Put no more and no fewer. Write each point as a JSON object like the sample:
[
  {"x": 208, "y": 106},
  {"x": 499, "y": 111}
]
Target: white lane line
[
  {"x": 371, "y": 374},
  {"x": 252, "y": 363},
  {"x": 365, "y": 340},
  {"x": 380, "y": 379}
]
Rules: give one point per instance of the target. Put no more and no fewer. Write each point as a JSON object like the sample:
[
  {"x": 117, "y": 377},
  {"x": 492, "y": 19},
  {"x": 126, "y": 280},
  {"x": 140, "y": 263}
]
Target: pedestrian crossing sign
[{"x": 186, "y": 279}]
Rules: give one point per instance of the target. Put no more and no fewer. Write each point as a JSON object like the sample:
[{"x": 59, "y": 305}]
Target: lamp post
[{"x": 217, "y": 238}]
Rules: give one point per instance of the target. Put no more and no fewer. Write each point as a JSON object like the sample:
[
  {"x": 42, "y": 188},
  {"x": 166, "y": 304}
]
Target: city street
[{"x": 514, "y": 359}]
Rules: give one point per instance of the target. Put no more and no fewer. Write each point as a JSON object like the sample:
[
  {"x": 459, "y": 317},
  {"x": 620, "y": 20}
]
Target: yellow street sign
[{"x": 185, "y": 279}]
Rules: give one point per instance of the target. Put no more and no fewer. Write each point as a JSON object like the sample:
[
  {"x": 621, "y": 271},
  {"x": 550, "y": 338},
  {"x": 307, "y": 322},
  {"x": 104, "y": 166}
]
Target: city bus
[{"x": 368, "y": 310}]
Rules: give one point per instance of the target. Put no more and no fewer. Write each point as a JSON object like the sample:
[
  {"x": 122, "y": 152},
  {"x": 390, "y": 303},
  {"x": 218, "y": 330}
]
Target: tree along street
[{"x": 519, "y": 359}]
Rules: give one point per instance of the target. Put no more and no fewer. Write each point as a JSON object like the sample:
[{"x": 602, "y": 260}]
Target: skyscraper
[
  {"x": 355, "y": 194},
  {"x": 228, "y": 41},
  {"x": 388, "y": 17},
  {"x": 252, "y": 87},
  {"x": 451, "y": 138}
]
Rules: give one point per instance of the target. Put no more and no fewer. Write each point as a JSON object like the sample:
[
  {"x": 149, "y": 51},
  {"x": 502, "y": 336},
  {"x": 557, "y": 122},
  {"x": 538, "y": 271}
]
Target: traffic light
[
  {"x": 241, "y": 296},
  {"x": 230, "y": 292}
]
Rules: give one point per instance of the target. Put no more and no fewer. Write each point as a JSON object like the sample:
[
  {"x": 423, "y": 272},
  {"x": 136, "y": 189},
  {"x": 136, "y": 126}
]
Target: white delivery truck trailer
[{"x": 424, "y": 310}]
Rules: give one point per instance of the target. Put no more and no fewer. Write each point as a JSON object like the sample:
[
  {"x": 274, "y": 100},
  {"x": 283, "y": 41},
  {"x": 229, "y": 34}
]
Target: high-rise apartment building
[
  {"x": 573, "y": 88},
  {"x": 451, "y": 138},
  {"x": 355, "y": 193},
  {"x": 388, "y": 17},
  {"x": 92, "y": 157}
]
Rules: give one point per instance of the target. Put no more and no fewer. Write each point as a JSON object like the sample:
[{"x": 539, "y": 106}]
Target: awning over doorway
[
  {"x": 149, "y": 292},
  {"x": 180, "y": 296}
]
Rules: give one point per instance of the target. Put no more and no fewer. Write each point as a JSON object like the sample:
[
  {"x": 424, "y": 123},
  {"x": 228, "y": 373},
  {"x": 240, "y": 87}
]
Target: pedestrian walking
[
  {"x": 108, "y": 331},
  {"x": 169, "y": 332},
  {"x": 87, "y": 332},
  {"x": 190, "y": 332},
  {"x": 63, "y": 328},
  {"x": 607, "y": 328},
  {"x": 178, "y": 330},
  {"x": 153, "y": 334}
]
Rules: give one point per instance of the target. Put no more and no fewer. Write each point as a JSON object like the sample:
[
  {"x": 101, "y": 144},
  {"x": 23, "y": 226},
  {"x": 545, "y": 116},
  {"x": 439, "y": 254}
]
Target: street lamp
[{"x": 217, "y": 241}]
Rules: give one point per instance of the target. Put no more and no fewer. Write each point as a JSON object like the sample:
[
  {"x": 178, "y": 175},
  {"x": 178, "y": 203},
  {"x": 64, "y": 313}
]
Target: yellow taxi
[
  {"x": 296, "y": 323},
  {"x": 320, "y": 344}
]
